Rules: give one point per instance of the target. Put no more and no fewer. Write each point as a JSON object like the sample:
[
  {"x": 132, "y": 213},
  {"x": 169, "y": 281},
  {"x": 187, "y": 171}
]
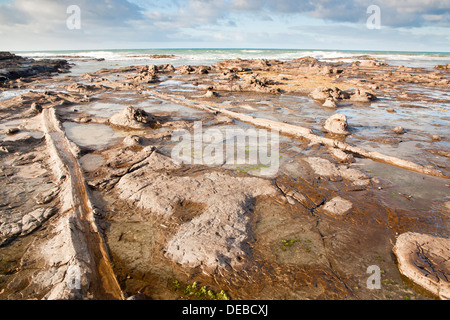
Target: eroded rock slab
[
  {"x": 326, "y": 168},
  {"x": 23, "y": 225},
  {"x": 425, "y": 259},
  {"x": 215, "y": 238},
  {"x": 69, "y": 261}
]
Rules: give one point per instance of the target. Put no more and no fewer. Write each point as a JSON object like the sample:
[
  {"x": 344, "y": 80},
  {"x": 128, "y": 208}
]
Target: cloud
[
  {"x": 9, "y": 15},
  {"x": 191, "y": 14},
  {"x": 42, "y": 23},
  {"x": 395, "y": 13},
  {"x": 50, "y": 12}
]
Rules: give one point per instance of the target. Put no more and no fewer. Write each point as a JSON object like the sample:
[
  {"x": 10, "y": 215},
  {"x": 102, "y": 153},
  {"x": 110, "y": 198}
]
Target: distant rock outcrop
[
  {"x": 14, "y": 67},
  {"x": 443, "y": 66}
]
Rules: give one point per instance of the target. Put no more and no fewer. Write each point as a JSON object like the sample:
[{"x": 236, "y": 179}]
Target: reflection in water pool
[
  {"x": 97, "y": 136},
  {"x": 408, "y": 182}
]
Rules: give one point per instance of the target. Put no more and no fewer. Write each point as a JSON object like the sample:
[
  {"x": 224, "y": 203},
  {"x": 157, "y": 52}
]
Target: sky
[{"x": 394, "y": 25}]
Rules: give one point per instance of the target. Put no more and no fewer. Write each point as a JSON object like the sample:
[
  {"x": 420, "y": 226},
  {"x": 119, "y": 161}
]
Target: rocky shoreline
[
  {"x": 124, "y": 219},
  {"x": 14, "y": 67}
]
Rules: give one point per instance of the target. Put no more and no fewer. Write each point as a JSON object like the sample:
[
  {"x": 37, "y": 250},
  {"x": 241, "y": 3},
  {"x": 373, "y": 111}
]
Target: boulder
[
  {"x": 330, "y": 103},
  {"x": 341, "y": 156},
  {"x": 399, "y": 130},
  {"x": 321, "y": 69},
  {"x": 443, "y": 66},
  {"x": 12, "y": 131},
  {"x": 324, "y": 93},
  {"x": 337, "y": 124},
  {"x": 202, "y": 70},
  {"x": 361, "y": 95},
  {"x": 254, "y": 82},
  {"x": 132, "y": 141},
  {"x": 424, "y": 259},
  {"x": 132, "y": 118},
  {"x": 371, "y": 63},
  {"x": 145, "y": 74},
  {"x": 321, "y": 93},
  {"x": 166, "y": 68},
  {"x": 36, "y": 108},
  {"x": 367, "y": 64},
  {"x": 186, "y": 69},
  {"x": 151, "y": 68},
  {"x": 211, "y": 94},
  {"x": 309, "y": 61},
  {"x": 436, "y": 137}
]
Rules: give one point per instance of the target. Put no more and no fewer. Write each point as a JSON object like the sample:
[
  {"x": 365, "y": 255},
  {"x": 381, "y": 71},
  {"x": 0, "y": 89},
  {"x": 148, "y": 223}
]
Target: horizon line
[{"x": 237, "y": 48}]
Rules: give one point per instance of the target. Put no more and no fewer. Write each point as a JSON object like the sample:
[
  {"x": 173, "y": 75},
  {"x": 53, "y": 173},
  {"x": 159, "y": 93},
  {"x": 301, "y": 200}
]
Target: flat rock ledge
[
  {"x": 216, "y": 238},
  {"x": 338, "y": 207},
  {"x": 425, "y": 260}
]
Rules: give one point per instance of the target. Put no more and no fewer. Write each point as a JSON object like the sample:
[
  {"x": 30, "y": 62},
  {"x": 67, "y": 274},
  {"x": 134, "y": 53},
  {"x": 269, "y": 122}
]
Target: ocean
[{"x": 181, "y": 57}]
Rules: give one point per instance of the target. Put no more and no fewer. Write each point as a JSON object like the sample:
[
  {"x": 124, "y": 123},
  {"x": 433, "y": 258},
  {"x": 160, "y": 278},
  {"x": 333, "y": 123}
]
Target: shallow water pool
[{"x": 96, "y": 136}]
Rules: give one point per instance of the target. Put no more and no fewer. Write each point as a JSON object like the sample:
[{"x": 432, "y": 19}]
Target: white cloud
[
  {"x": 42, "y": 23},
  {"x": 410, "y": 13}
]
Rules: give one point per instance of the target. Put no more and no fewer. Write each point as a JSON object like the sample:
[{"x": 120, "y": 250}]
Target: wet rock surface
[
  {"x": 215, "y": 237},
  {"x": 337, "y": 124},
  {"x": 424, "y": 259},
  {"x": 309, "y": 231}
]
